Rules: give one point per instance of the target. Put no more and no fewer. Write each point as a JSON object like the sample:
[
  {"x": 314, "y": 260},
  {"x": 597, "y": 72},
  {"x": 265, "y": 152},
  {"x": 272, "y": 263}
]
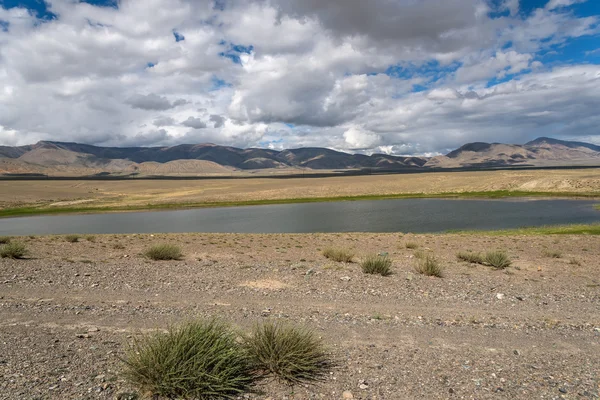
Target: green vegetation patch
[
  {"x": 290, "y": 353},
  {"x": 13, "y": 250},
  {"x": 497, "y": 259},
  {"x": 163, "y": 252},
  {"x": 72, "y": 238},
  {"x": 377, "y": 265},
  {"x": 339, "y": 255},
  {"x": 429, "y": 265},
  {"x": 197, "y": 360}
]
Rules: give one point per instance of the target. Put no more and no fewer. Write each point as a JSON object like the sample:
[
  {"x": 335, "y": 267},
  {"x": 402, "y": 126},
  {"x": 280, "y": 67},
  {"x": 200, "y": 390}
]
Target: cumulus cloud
[
  {"x": 401, "y": 77},
  {"x": 195, "y": 123},
  {"x": 153, "y": 102}
]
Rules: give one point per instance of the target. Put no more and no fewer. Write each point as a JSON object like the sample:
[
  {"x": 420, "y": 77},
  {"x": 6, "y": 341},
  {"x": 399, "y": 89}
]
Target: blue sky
[{"x": 406, "y": 78}]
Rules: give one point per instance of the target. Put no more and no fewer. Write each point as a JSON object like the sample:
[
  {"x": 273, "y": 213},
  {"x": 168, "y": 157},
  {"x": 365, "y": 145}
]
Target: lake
[{"x": 398, "y": 215}]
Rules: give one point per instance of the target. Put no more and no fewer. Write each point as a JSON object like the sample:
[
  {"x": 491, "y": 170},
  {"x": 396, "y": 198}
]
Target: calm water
[{"x": 408, "y": 215}]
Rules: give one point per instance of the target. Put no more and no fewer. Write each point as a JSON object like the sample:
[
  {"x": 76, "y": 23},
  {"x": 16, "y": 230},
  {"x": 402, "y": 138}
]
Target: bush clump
[
  {"x": 72, "y": 238},
  {"x": 376, "y": 264},
  {"x": 13, "y": 250},
  {"x": 198, "y": 360},
  {"x": 5, "y": 239},
  {"x": 470, "y": 257},
  {"x": 497, "y": 259},
  {"x": 429, "y": 266},
  {"x": 164, "y": 252},
  {"x": 339, "y": 255},
  {"x": 411, "y": 245},
  {"x": 292, "y": 354}
]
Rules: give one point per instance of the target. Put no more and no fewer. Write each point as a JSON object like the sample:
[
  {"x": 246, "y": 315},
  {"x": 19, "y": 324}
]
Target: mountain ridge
[{"x": 55, "y": 157}]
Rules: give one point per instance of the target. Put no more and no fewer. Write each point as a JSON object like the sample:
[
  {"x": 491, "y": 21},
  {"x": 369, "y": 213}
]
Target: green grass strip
[
  {"x": 498, "y": 194},
  {"x": 576, "y": 229}
]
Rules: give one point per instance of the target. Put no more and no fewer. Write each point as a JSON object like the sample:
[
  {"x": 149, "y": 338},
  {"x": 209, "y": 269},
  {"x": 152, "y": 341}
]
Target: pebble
[
  {"x": 345, "y": 278},
  {"x": 500, "y": 296},
  {"x": 347, "y": 395}
]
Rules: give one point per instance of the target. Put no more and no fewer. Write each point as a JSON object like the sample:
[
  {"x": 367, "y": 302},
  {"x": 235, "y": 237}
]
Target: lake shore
[
  {"x": 22, "y": 198},
  {"x": 531, "y": 330}
]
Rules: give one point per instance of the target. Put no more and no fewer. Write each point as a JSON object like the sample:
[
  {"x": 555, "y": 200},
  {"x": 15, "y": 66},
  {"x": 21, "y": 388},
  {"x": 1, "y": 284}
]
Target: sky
[{"x": 403, "y": 77}]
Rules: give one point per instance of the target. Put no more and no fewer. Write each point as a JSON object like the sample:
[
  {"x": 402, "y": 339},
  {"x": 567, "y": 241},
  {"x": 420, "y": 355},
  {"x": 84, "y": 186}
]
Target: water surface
[{"x": 398, "y": 215}]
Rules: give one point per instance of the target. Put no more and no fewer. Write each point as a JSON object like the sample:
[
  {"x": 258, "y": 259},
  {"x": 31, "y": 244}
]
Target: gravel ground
[{"x": 531, "y": 331}]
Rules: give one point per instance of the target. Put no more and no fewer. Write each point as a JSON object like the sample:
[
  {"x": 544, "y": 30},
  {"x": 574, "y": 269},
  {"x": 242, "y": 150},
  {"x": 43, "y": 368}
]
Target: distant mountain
[
  {"x": 63, "y": 158},
  {"x": 539, "y": 152}
]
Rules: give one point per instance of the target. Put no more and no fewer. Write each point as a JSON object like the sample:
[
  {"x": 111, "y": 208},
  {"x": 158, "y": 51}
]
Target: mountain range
[{"x": 73, "y": 159}]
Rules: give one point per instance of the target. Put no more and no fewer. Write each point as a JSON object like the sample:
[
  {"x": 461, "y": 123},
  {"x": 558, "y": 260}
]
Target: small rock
[
  {"x": 500, "y": 296},
  {"x": 363, "y": 385},
  {"x": 83, "y": 336},
  {"x": 516, "y": 352},
  {"x": 266, "y": 312},
  {"x": 562, "y": 390},
  {"x": 345, "y": 278},
  {"x": 347, "y": 395}
]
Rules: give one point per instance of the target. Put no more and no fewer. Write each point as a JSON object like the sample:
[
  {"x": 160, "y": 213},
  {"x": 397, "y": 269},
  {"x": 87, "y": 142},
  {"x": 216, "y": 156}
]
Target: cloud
[
  {"x": 153, "y": 102},
  {"x": 402, "y": 77},
  {"x": 218, "y": 120},
  {"x": 195, "y": 123}
]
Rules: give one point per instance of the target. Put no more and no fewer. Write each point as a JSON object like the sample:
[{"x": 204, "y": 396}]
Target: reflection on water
[{"x": 402, "y": 215}]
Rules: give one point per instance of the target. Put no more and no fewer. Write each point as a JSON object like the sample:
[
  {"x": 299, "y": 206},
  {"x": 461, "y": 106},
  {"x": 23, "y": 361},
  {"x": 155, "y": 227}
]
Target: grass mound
[
  {"x": 497, "y": 259},
  {"x": 5, "y": 239},
  {"x": 199, "y": 360},
  {"x": 470, "y": 257},
  {"x": 13, "y": 250},
  {"x": 164, "y": 252},
  {"x": 429, "y": 266},
  {"x": 72, "y": 238},
  {"x": 292, "y": 354},
  {"x": 375, "y": 264},
  {"x": 411, "y": 245},
  {"x": 339, "y": 255}
]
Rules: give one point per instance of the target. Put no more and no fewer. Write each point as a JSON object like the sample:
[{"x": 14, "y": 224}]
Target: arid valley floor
[{"x": 531, "y": 331}]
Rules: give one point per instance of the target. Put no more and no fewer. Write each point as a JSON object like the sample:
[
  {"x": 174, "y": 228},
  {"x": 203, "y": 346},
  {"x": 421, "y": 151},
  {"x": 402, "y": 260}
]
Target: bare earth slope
[{"x": 531, "y": 331}]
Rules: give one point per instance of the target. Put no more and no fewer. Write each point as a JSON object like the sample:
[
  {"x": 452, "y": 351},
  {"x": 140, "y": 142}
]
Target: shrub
[
  {"x": 292, "y": 354},
  {"x": 552, "y": 253},
  {"x": 72, "y": 238},
  {"x": 13, "y": 250},
  {"x": 375, "y": 264},
  {"x": 339, "y": 255},
  {"x": 411, "y": 245},
  {"x": 429, "y": 266},
  {"x": 497, "y": 259},
  {"x": 420, "y": 254},
  {"x": 470, "y": 257},
  {"x": 4, "y": 239},
  {"x": 90, "y": 238},
  {"x": 164, "y": 252},
  {"x": 199, "y": 360}
]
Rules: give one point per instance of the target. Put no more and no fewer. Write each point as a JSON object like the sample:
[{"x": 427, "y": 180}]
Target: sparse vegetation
[
  {"x": 72, "y": 238},
  {"x": 470, "y": 257},
  {"x": 291, "y": 354},
  {"x": 13, "y": 250},
  {"x": 419, "y": 254},
  {"x": 164, "y": 252},
  {"x": 339, "y": 255},
  {"x": 552, "y": 253},
  {"x": 199, "y": 360},
  {"x": 497, "y": 259},
  {"x": 574, "y": 261},
  {"x": 430, "y": 266},
  {"x": 90, "y": 238},
  {"x": 118, "y": 246},
  {"x": 376, "y": 264},
  {"x": 411, "y": 245},
  {"x": 5, "y": 239}
]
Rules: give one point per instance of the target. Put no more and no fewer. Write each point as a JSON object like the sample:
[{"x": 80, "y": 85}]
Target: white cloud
[{"x": 316, "y": 74}]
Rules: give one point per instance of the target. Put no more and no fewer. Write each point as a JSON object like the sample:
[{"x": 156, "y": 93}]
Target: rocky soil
[{"x": 531, "y": 331}]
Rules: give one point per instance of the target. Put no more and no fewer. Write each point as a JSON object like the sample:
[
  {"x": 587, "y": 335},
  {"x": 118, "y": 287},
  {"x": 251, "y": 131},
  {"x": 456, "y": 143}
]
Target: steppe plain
[{"x": 68, "y": 310}]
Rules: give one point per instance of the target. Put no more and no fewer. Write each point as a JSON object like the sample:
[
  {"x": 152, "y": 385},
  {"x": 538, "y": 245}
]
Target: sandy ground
[
  {"x": 142, "y": 192},
  {"x": 529, "y": 332}
]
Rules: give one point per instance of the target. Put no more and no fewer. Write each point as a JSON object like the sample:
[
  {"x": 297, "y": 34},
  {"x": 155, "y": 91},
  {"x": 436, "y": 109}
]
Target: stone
[
  {"x": 347, "y": 395},
  {"x": 500, "y": 296},
  {"x": 345, "y": 278}
]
